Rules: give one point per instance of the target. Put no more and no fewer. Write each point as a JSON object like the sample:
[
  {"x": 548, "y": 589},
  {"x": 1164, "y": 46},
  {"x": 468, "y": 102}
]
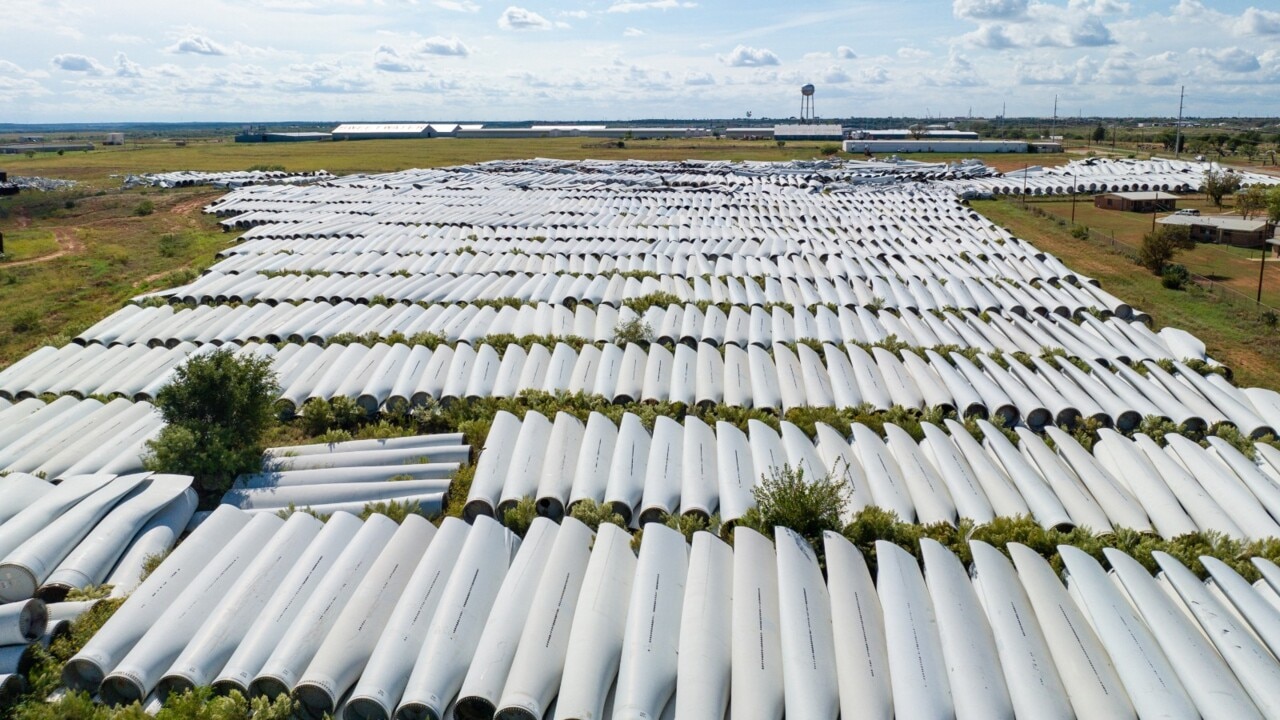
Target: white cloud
[
  {"x": 9, "y": 68},
  {"x": 626, "y": 6},
  {"x": 993, "y": 37},
  {"x": 910, "y": 53},
  {"x": 71, "y": 62},
  {"x": 744, "y": 56},
  {"x": 324, "y": 78},
  {"x": 386, "y": 59},
  {"x": 577, "y": 14},
  {"x": 196, "y": 45},
  {"x": 957, "y": 72},
  {"x": 1090, "y": 33},
  {"x": 633, "y": 32},
  {"x": 126, "y": 67},
  {"x": 437, "y": 45},
  {"x": 874, "y": 76},
  {"x": 456, "y": 5},
  {"x": 167, "y": 70},
  {"x": 1045, "y": 30},
  {"x": 989, "y": 9},
  {"x": 844, "y": 52},
  {"x": 517, "y": 18},
  {"x": 1189, "y": 8},
  {"x": 1259, "y": 22},
  {"x": 835, "y": 75},
  {"x": 699, "y": 78},
  {"x": 1232, "y": 59},
  {"x": 1098, "y": 7},
  {"x": 1049, "y": 73}
]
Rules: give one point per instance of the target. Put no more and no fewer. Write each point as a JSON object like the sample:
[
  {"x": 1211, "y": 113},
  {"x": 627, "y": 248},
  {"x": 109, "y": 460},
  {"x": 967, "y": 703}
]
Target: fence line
[{"x": 1209, "y": 285}]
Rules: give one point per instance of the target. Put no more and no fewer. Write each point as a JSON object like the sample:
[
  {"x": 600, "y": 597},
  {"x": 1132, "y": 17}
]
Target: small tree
[
  {"x": 1099, "y": 133},
  {"x": 1273, "y": 205},
  {"x": 634, "y": 330},
  {"x": 1219, "y": 184},
  {"x": 1160, "y": 245},
  {"x": 216, "y": 411},
  {"x": 810, "y": 506},
  {"x": 1252, "y": 200}
]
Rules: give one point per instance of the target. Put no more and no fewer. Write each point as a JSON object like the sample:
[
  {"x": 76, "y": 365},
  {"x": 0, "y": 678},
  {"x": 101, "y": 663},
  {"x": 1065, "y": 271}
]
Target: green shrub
[
  {"x": 151, "y": 562},
  {"x": 594, "y": 514},
  {"x": 26, "y": 321},
  {"x": 320, "y": 416},
  {"x": 171, "y": 245},
  {"x": 661, "y": 299},
  {"x": 519, "y": 518},
  {"x": 290, "y": 509},
  {"x": 394, "y": 509},
  {"x": 144, "y": 208},
  {"x": 829, "y": 150},
  {"x": 459, "y": 489},
  {"x": 640, "y": 274},
  {"x": 499, "y": 303},
  {"x": 1175, "y": 276},
  {"x": 114, "y": 254},
  {"x": 635, "y": 331},
  {"x": 808, "y": 506},
  {"x": 217, "y": 410}
]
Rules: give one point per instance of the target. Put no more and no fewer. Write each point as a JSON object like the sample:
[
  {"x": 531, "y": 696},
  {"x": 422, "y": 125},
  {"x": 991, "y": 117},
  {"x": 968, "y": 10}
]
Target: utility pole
[
  {"x": 1054, "y": 126},
  {"x": 1177, "y": 139},
  {"x": 1262, "y": 268}
]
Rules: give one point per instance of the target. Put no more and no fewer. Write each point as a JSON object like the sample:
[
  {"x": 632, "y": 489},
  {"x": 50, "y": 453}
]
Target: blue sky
[{"x": 440, "y": 60}]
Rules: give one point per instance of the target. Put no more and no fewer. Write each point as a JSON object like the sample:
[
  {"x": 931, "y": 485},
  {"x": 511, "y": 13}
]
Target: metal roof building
[
  {"x": 383, "y": 131},
  {"x": 808, "y": 132},
  {"x": 1229, "y": 230},
  {"x": 1141, "y": 201},
  {"x": 906, "y": 134},
  {"x": 749, "y": 133},
  {"x": 908, "y": 145}
]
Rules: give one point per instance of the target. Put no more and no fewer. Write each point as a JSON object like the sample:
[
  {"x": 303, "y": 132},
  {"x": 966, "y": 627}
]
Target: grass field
[
  {"x": 96, "y": 168},
  {"x": 1236, "y": 268},
  {"x": 108, "y": 255},
  {"x": 21, "y": 245},
  {"x": 1234, "y": 334}
]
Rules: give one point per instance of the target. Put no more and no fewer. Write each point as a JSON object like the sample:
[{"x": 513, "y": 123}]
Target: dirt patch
[{"x": 187, "y": 206}]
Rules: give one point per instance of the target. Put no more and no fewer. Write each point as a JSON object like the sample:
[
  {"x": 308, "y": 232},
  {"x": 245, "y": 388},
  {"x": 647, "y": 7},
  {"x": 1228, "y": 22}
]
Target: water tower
[{"x": 806, "y": 104}]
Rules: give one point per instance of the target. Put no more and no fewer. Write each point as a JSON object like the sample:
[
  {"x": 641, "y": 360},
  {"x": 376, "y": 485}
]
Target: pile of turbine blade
[
  {"x": 373, "y": 620},
  {"x": 697, "y": 329},
  {"x": 347, "y": 476}
]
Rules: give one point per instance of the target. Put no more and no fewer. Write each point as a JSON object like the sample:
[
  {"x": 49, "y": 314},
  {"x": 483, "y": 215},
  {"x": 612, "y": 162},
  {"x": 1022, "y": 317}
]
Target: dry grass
[
  {"x": 112, "y": 257},
  {"x": 382, "y": 155},
  {"x": 1236, "y": 268}
]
